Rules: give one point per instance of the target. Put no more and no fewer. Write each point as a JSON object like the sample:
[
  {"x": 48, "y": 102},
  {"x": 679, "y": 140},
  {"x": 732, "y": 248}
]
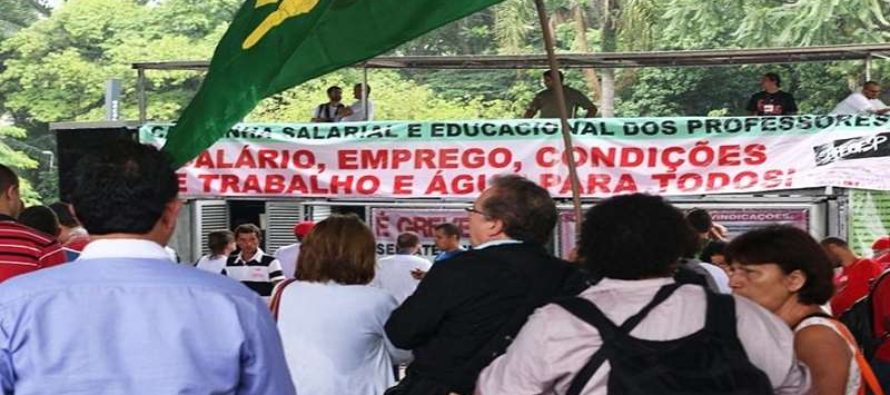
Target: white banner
[{"x": 668, "y": 156}]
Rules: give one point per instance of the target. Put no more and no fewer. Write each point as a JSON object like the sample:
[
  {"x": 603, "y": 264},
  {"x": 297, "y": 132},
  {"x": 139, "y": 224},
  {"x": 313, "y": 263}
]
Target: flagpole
[{"x": 563, "y": 113}]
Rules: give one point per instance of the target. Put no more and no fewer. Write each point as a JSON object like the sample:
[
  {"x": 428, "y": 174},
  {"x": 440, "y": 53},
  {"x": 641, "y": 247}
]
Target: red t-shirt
[
  {"x": 852, "y": 284},
  {"x": 881, "y": 305},
  {"x": 24, "y": 250},
  {"x": 884, "y": 261}
]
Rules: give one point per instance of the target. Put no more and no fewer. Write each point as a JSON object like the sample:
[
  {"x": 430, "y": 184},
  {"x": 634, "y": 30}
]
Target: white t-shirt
[
  {"x": 857, "y": 103},
  {"x": 288, "y": 256},
  {"x": 334, "y": 340},
  {"x": 394, "y": 275},
  {"x": 720, "y": 277},
  {"x": 212, "y": 264},
  {"x": 358, "y": 112}
]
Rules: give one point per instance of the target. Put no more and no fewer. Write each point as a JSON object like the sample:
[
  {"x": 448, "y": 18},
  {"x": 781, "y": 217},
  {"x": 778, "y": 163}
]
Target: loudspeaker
[{"x": 74, "y": 140}]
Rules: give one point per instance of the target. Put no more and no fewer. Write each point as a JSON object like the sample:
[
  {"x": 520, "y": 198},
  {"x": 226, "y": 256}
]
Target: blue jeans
[{"x": 882, "y": 370}]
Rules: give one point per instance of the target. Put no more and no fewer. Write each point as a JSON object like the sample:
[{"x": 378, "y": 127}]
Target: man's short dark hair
[
  {"x": 792, "y": 249},
  {"x": 8, "y": 178},
  {"x": 774, "y": 78},
  {"x": 449, "y": 229},
  {"x": 632, "y": 237},
  {"x": 65, "y": 215},
  {"x": 713, "y": 248},
  {"x": 872, "y": 83},
  {"x": 245, "y": 229},
  {"x": 549, "y": 74},
  {"x": 218, "y": 241},
  {"x": 124, "y": 188},
  {"x": 41, "y": 218},
  {"x": 700, "y": 220},
  {"x": 367, "y": 88},
  {"x": 526, "y": 209},
  {"x": 331, "y": 89},
  {"x": 406, "y": 242},
  {"x": 835, "y": 241}
]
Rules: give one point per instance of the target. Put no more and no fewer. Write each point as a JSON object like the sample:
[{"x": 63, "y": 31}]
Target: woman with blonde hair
[
  {"x": 786, "y": 271},
  {"x": 331, "y": 321}
]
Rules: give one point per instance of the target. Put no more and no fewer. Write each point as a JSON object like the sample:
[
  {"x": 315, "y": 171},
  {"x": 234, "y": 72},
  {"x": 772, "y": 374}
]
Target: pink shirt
[{"x": 554, "y": 344}]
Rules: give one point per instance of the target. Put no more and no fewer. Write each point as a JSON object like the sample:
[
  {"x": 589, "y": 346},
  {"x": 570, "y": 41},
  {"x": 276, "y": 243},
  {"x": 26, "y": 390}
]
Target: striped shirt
[
  {"x": 24, "y": 250},
  {"x": 259, "y": 274}
]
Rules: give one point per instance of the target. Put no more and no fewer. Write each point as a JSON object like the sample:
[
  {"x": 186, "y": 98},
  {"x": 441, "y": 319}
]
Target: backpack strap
[
  {"x": 275, "y": 303},
  {"x": 659, "y": 298},
  {"x": 721, "y": 316},
  {"x": 589, "y": 313}
]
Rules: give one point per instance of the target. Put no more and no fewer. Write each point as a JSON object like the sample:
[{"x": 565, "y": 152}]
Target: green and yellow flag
[{"x": 273, "y": 45}]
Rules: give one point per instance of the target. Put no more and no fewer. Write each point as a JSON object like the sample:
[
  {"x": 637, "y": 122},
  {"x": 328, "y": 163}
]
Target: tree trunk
[
  {"x": 609, "y": 44},
  {"x": 590, "y": 77}
]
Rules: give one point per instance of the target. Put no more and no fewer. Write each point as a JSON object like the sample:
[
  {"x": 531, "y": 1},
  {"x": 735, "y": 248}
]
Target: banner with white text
[{"x": 457, "y": 159}]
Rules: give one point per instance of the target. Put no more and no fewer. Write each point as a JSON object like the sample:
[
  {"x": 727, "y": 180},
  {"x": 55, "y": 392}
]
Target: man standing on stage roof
[
  {"x": 329, "y": 112},
  {"x": 545, "y": 101},
  {"x": 864, "y": 102},
  {"x": 772, "y": 100}
]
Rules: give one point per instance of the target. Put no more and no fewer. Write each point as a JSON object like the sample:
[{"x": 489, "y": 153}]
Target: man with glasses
[
  {"x": 865, "y": 102},
  {"x": 466, "y": 312}
]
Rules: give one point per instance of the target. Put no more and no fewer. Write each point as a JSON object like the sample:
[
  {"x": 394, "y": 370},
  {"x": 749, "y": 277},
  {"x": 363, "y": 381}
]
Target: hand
[
  {"x": 418, "y": 274},
  {"x": 718, "y": 232}
]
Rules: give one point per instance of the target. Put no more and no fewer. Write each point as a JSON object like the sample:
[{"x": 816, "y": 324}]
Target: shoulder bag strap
[
  {"x": 659, "y": 298},
  {"x": 868, "y": 375},
  {"x": 275, "y": 303}
]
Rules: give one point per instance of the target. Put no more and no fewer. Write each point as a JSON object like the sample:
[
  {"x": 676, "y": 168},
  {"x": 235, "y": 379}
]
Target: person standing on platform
[{"x": 545, "y": 101}]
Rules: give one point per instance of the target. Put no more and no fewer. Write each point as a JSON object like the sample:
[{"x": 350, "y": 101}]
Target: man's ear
[
  {"x": 171, "y": 213},
  {"x": 496, "y": 227}
]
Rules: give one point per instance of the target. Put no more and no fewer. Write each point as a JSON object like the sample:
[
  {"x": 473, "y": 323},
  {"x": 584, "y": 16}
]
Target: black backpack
[
  {"x": 859, "y": 319},
  {"x": 710, "y": 361}
]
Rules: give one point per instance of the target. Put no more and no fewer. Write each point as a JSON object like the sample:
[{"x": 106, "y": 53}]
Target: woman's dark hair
[
  {"x": 218, "y": 241},
  {"x": 41, "y": 218},
  {"x": 792, "y": 249},
  {"x": 66, "y": 217},
  {"x": 341, "y": 249},
  {"x": 634, "y": 237},
  {"x": 123, "y": 188}
]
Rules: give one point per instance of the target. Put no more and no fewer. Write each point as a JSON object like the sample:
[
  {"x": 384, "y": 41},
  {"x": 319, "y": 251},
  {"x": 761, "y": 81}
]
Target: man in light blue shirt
[{"x": 122, "y": 319}]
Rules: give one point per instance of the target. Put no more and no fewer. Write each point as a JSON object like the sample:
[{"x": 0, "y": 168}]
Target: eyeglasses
[{"x": 471, "y": 209}]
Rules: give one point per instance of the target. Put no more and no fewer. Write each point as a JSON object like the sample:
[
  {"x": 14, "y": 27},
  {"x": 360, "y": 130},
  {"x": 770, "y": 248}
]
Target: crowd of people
[{"x": 655, "y": 301}]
